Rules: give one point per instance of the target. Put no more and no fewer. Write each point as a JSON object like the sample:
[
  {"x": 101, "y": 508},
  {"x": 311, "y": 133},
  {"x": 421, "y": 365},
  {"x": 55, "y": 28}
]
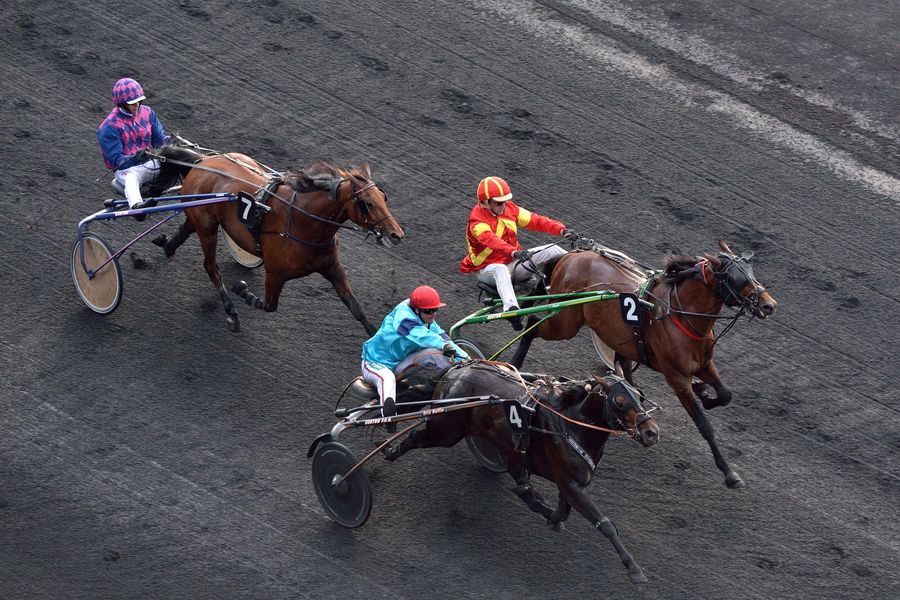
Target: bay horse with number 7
[
  {"x": 297, "y": 235},
  {"x": 677, "y": 338}
]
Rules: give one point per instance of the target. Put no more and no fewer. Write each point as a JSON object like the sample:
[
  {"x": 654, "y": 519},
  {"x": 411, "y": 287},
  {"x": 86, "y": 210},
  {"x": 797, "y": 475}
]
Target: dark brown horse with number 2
[
  {"x": 296, "y": 234},
  {"x": 677, "y": 338}
]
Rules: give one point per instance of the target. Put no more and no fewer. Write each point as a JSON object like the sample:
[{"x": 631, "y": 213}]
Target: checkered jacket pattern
[{"x": 122, "y": 135}]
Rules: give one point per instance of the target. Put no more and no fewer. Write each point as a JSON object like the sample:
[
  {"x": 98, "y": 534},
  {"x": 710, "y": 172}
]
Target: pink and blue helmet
[{"x": 127, "y": 91}]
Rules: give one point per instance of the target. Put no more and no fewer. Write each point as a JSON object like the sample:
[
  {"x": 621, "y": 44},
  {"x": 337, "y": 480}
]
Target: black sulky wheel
[
  {"x": 350, "y": 501},
  {"x": 241, "y": 256},
  {"x": 485, "y": 452},
  {"x": 102, "y": 293}
]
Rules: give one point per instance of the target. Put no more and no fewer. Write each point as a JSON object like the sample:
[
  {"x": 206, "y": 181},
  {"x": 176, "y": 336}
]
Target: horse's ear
[
  {"x": 725, "y": 247},
  {"x": 366, "y": 170}
]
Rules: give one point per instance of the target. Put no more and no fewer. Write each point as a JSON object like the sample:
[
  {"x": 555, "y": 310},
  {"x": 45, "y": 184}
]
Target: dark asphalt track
[{"x": 152, "y": 454}]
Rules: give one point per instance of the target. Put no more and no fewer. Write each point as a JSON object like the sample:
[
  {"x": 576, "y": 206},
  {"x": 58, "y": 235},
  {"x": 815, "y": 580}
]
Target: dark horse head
[{"x": 609, "y": 402}]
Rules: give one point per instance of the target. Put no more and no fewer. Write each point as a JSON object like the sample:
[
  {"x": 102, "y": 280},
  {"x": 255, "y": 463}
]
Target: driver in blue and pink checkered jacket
[{"x": 129, "y": 130}]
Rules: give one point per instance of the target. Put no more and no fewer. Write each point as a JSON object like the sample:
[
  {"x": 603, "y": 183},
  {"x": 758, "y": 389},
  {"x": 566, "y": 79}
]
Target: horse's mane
[
  {"x": 677, "y": 268},
  {"x": 302, "y": 179}
]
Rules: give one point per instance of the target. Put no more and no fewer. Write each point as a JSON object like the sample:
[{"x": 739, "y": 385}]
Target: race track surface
[{"x": 152, "y": 454}]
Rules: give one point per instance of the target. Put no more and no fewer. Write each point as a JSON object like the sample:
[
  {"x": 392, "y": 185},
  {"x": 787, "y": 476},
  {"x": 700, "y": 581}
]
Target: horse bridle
[
  {"x": 727, "y": 289},
  {"x": 620, "y": 386},
  {"x": 362, "y": 208},
  {"x": 728, "y": 285}
]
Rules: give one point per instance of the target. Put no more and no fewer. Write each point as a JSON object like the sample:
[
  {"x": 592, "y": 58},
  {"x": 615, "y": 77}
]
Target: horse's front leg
[
  {"x": 682, "y": 386},
  {"x": 336, "y": 274},
  {"x": 710, "y": 375},
  {"x": 208, "y": 240},
  {"x": 578, "y": 497},
  {"x": 560, "y": 514},
  {"x": 517, "y": 467}
]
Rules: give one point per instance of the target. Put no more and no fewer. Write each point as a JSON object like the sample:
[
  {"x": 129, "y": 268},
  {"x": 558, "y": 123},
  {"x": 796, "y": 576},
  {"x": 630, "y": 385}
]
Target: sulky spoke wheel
[
  {"x": 241, "y": 256},
  {"x": 484, "y": 451},
  {"x": 350, "y": 501},
  {"x": 470, "y": 347},
  {"x": 486, "y": 454},
  {"x": 102, "y": 293}
]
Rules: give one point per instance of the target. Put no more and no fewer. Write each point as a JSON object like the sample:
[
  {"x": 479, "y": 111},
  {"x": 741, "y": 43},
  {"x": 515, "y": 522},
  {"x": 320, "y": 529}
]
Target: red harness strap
[
  {"x": 702, "y": 264},
  {"x": 686, "y": 332}
]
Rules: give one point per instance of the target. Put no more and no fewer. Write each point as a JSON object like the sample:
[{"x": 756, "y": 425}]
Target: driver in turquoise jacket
[{"x": 408, "y": 333}]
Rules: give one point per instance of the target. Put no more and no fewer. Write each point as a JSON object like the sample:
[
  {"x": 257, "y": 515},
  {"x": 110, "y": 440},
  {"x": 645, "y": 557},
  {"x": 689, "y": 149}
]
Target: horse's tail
[
  {"x": 550, "y": 265},
  {"x": 179, "y": 159}
]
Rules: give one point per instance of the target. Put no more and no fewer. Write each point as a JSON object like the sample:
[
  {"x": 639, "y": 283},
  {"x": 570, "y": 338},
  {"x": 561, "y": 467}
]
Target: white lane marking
[{"x": 543, "y": 22}]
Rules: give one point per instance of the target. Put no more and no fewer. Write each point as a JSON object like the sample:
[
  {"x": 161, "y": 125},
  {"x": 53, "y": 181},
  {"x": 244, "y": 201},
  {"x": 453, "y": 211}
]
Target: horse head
[
  {"x": 367, "y": 206},
  {"x": 737, "y": 286},
  {"x": 610, "y": 402},
  {"x": 623, "y": 410}
]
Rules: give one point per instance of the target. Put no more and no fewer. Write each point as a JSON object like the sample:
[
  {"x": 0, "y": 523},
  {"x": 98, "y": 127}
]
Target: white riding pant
[
  {"x": 134, "y": 177},
  {"x": 503, "y": 276},
  {"x": 385, "y": 380},
  {"x": 382, "y": 378}
]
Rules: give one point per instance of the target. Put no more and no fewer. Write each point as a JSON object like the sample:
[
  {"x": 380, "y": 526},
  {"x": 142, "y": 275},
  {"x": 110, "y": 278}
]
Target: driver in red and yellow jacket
[{"x": 494, "y": 253}]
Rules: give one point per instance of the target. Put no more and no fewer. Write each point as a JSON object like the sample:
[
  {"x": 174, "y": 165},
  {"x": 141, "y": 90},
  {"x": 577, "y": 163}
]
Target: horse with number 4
[
  {"x": 676, "y": 337},
  {"x": 555, "y": 428},
  {"x": 290, "y": 220}
]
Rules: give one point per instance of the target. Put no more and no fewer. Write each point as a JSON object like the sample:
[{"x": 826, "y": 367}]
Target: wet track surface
[{"x": 153, "y": 454}]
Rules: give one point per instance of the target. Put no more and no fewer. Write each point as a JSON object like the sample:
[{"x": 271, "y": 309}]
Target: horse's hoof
[
  {"x": 240, "y": 287},
  {"x": 558, "y": 526},
  {"x": 390, "y": 453},
  {"x": 234, "y": 325},
  {"x": 636, "y": 575},
  {"x": 733, "y": 480},
  {"x": 160, "y": 240},
  {"x": 709, "y": 402}
]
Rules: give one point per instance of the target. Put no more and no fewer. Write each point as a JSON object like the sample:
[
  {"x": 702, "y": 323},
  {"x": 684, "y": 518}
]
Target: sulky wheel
[
  {"x": 349, "y": 502},
  {"x": 484, "y": 451},
  {"x": 470, "y": 347},
  {"x": 241, "y": 256},
  {"x": 486, "y": 454},
  {"x": 102, "y": 293}
]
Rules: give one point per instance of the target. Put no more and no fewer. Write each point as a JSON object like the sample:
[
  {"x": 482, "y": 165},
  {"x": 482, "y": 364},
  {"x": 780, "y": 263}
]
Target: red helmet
[
  {"x": 493, "y": 188},
  {"x": 425, "y": 297}
]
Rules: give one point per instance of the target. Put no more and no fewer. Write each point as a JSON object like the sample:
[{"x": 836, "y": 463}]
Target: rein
[
  {"x": 696, "y": 335},
  {"x": 616, "y": 432},
  {"x": 285, "y": 201}
]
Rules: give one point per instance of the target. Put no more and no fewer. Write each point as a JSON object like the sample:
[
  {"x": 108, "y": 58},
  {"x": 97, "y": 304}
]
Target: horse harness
[{"x": 265, "y": 193}]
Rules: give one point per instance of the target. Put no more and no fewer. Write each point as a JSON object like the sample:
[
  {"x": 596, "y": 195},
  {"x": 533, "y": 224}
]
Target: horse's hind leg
[
  {"x": 578, "y": 497},
  {"x": 208, "y": 240},
  {"x": 445, "y": 435},
  {"x": 171, "y": 244},
  {"x": 274, "y": 285},
  {"x": 518, "y": 358}
]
